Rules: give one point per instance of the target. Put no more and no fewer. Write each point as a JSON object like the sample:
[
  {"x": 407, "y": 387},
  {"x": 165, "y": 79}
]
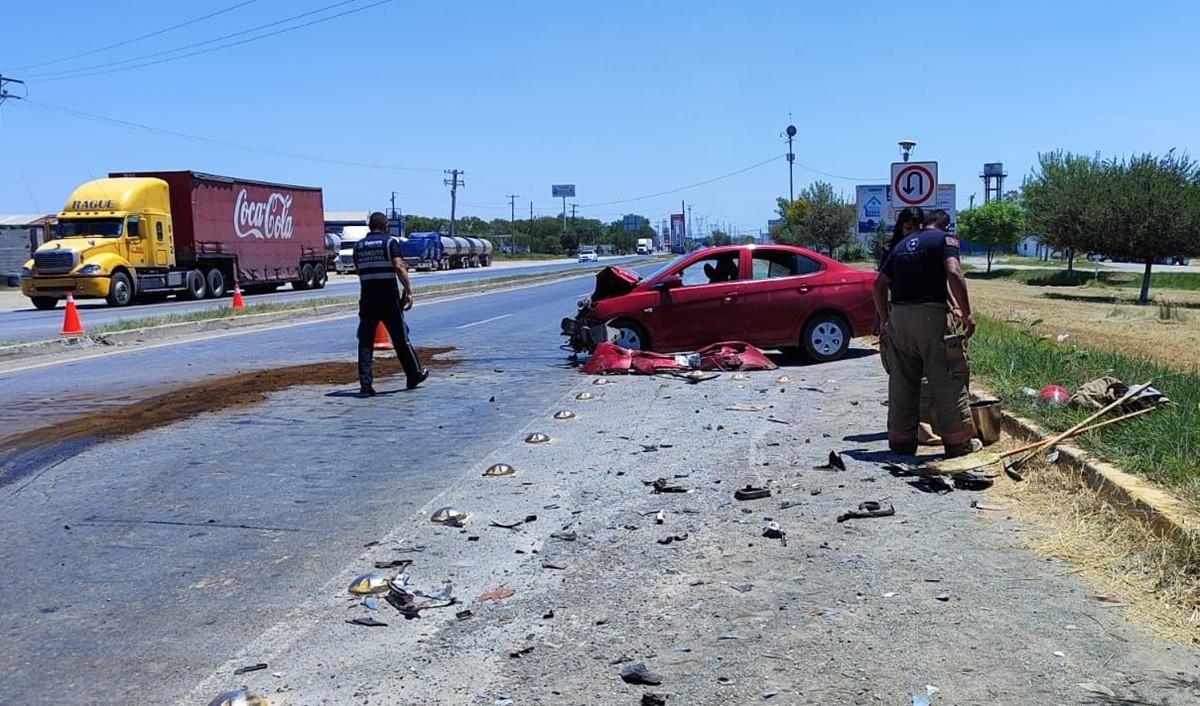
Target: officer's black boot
[
  {"x": 422, "y": 376},
  {"x": 903, "y": 448}
]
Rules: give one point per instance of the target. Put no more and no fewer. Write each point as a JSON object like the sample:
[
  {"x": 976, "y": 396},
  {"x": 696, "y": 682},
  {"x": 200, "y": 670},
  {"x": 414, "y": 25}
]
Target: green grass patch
[
  {"x": 1162, "y": 445},
  {"x": 1090, "y": 278}
]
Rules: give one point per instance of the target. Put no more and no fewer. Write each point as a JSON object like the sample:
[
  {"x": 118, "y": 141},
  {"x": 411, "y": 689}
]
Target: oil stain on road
[{"x": 40, "y": 449}]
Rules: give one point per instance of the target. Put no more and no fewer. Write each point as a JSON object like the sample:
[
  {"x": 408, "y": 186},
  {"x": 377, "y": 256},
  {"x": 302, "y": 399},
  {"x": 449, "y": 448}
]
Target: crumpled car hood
[{"x": 613, "y": 282}]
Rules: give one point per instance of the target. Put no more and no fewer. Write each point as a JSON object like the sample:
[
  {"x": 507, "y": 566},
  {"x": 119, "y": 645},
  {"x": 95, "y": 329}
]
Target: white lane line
[
  {"x": 261, "y": 329},
  {"x": 484, "y": 321}
]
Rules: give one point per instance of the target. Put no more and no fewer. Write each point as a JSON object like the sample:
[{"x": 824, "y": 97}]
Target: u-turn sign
[{"x": 914, "y": 183}]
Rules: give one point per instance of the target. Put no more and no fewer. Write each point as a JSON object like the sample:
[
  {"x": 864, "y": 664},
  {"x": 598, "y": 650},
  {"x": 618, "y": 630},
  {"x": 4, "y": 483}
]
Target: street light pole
[{"x": 512, "y": 204}]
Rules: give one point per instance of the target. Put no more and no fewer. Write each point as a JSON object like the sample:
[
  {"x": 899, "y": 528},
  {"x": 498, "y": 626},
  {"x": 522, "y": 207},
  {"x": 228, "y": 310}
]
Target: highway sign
[
  {"x": 562, "y": 191},
  {"x": 913, "y": 183}
]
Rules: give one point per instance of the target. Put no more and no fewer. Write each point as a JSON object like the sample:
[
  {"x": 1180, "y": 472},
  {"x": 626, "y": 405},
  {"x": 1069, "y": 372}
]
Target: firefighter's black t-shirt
[{"x": 917, "y": 267}]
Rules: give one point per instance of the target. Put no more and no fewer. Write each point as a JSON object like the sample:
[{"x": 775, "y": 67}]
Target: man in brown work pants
[{"x": 918, "y": 343}]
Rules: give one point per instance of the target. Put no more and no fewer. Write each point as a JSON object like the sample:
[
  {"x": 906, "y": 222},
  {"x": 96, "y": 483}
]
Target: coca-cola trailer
[{"x": 151, "y": 234}]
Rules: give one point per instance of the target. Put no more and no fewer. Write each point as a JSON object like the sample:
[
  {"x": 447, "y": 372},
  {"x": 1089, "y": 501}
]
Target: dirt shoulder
[{"x": 941, "y": 600}]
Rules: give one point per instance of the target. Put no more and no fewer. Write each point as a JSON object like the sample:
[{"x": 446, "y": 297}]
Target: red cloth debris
[{"x": 732, "y": 355}]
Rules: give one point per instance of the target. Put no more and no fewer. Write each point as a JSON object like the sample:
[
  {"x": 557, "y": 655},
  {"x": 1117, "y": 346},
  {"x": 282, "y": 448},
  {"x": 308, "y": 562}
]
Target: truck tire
[
  {"x": 305, "y": 281},
  {"x": 216, "y": 283},
  {"x": 194, "y": 286},
  {"x": 320, "y": 276},
  {"x": 120, "y": 290},
  {"x": 310, "y": 282},
  {"x": 44, "y": 303}
]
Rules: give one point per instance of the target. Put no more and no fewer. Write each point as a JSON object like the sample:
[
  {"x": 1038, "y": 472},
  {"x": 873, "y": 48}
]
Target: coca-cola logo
[{"x": 271, "y": 219}]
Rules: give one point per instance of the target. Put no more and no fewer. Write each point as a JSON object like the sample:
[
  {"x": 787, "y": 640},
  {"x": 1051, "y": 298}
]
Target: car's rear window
[{"x": 769, "y": 264}]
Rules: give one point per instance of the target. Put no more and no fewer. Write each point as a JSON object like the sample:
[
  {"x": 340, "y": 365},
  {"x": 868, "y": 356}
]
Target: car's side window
[
  {"x": 769, "y": 264},
  {"x": 711, "y": 270}
]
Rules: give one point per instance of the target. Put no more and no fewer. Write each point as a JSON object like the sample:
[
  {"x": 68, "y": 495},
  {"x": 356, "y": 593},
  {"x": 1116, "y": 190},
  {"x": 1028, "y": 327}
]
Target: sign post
[
  {"x": 563, "y": 191},
  {"x": 913, "y": 184}
]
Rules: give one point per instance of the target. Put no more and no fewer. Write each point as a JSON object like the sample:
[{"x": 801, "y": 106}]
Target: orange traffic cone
[
  {"x": 383, "y": 342},
  {"x": 238, "y": 302},
  {"x": 71, "y": 325}
]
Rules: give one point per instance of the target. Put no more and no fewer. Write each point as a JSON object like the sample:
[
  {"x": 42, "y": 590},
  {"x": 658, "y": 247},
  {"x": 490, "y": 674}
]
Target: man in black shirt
[
  {"x": 385, "y": 294},
  {"x": 917, "y": 341}
]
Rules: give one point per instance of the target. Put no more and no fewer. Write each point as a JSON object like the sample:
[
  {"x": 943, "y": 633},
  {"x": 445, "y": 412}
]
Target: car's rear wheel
[
  {"x": 631, "y": 335},
  {"x": 826, "y": 337}
]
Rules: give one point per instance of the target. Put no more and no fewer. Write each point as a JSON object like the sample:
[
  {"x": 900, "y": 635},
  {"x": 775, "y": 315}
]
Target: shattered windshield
[{"x": 89, "y": 228}]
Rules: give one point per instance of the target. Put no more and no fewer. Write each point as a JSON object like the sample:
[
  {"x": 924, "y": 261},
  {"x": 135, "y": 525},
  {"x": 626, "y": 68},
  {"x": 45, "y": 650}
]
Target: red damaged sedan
[{"x": 771, "y": 296}]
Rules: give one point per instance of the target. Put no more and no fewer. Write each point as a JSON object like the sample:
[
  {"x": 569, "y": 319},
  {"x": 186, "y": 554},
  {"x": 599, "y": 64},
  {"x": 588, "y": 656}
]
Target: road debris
[
  {"x": 639, "y": 674},
  {"x": 943, "y": 596},
  {"x": 394, "y": 564},
  {"x": 662, "y": 485},
  {"x": 971, "y": 480},
  {"x": 740, "y": 377},
  {"x": 654, "y": 699},
  {"x": 1108, "y": 600},
  {"x": 464, "y": 614},
  {"x": 772, "y": 530},
  {"x": 694, "y": 377},
  {"x": 984, "y": 506},
  {"x": 250, "y": 668},
  {"x": 537, "y": 438},
  {"x": 564, "y": 536},
  {"x": 564, "y": 414},
  {"x": 1100, "y": 689},
  {"x": 742, "y": 587},
  {"x": 833, "y": 463},
  {"x": 370, "y": 584},
  {"x": 554, "y": 565},
  {"x": 518, "y": 654},
  {"x": 367, "y": 621},
  {"x": 450, "y": 516},
  {"x": 660, "y": 517},
  {"x": 513, "y": 525},
  {"x": 751, "y": 493},
  {"x": 601, "y": 381},
  {"x": 497, "y": 594},
  {"x": 238, "y": 697},
  {"x": 868, "y": 509},
  {"x": 745, "y": 408},
  {"x": 674, "y": 538},
  {"x": 782, "y": 380},
  {"x": 499, "y": 470}
]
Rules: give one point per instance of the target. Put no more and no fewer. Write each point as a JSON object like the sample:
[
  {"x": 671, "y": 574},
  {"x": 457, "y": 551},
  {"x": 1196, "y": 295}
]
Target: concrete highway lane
[
  {"x": 19, "y": 321},
  {"x": 135, "y": 566}
]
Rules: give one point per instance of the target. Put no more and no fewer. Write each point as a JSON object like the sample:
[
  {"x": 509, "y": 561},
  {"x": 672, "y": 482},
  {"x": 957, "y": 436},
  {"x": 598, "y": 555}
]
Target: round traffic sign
[{"x": 914, "y": 185}]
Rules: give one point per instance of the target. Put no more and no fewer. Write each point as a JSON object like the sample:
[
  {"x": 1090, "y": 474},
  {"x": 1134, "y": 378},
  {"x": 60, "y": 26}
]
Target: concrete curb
[
  {"x": 52, "y": 346},
  {"x": 1165, "y": 512}
]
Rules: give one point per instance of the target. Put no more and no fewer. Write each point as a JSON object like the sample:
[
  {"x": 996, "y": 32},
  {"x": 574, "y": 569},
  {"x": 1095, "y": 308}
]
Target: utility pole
[
  {"x": 791, "y": 158},
  {"x": 689, "y": 220},
  {"x": 4, "y": 93},
  {"x": 512, "y": 208},
  {"x": 454, "y": 182},
  {"x": 682, "y": 214}
]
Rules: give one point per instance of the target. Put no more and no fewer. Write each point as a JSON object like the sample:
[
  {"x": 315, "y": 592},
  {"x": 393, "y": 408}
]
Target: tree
[
  {"x": 996, "y": 224},
  {"x": 1151, "y": 208},
  {"x": 719, "y": 237},
  {"x": 820, "y": 219},
  {"x": 1063, "y": 202},
  {"x": 877, "y": 246}
]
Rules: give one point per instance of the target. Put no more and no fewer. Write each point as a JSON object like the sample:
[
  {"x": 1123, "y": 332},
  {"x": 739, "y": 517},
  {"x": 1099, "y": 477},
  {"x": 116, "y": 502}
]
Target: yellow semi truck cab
[{"x": 109, "y": 232}]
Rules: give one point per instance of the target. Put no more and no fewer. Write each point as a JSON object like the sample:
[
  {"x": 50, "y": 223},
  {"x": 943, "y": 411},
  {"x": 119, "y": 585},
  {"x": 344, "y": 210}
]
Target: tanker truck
[
  {"x": 435, "y": 251},
  {"x": 153, "y": 234}
]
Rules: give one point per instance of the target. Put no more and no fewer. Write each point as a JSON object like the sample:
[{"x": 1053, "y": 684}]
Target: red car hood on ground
[{"x": 613, "y": 282}]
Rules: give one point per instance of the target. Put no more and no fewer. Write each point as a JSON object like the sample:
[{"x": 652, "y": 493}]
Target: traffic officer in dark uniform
[
  {"x": 384, "y": 297},
  {"x": 918, "y": 273}
]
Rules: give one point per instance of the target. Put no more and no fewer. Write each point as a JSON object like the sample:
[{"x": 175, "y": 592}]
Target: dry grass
[
  {"x": 1116, "y": 324},
  {"x": 1117, "y": 554}
]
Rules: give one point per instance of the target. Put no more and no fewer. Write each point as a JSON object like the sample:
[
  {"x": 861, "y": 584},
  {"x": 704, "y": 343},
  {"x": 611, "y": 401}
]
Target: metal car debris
[
  {"x": 450, "y": 516},
  {"x": 499, "y": 470},
  {"x": 868, "y": 509},
  {"x": 371, "y": 583},
  {"x": 238, "y": 697}
]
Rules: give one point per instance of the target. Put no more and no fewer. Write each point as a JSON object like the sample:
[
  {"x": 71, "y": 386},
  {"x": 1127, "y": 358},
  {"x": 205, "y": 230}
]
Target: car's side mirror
[{"x": 669, "y": 283}]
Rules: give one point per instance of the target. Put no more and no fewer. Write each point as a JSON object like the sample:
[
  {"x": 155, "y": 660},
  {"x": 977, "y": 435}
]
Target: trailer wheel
[
  {"x": 320, "y": 276},
  {"x": 305, "y": 278},
  {"x": 216, "y": 283},
  {"x": 44, "y": 303},
  {"x": 195, "y": 286}
]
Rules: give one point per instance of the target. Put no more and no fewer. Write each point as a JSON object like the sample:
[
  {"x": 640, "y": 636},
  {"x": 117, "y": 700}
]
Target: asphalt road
[
  {"x": 1080, "y": 263},
  {"x": 136, "y": 565},
  {"x": 25, "y": 323}
]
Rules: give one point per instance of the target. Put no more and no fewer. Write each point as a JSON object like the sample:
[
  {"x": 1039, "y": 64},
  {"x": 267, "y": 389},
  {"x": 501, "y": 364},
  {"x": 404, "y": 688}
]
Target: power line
[
  {"x": 685, "y": 188},
  {"x": 155, "y": 33},
  {"x": 102, "y": 69},
  {"x": 213, "y": 141},
  {"x": 839, "y": 176}
]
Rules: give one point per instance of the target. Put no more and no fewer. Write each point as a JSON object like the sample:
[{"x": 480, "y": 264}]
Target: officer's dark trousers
[{"x": 370, "y": 314}]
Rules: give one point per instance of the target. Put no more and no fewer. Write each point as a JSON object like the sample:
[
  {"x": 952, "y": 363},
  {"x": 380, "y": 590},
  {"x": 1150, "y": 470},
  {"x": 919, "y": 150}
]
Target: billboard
[
  {"x": 678, "y": 233},
  {"x": 632, "y": 223},
  {"x": 871, "y": 202},
  {"x": 562, "y": 191},
  {"x": 946, "y": 199}
]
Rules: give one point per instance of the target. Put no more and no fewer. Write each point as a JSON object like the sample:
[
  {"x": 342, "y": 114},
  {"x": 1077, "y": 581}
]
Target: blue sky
[{"x": 622, "y": 98}]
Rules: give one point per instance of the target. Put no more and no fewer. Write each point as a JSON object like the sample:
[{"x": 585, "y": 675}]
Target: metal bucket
[{"x": 988, "y": 419}]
